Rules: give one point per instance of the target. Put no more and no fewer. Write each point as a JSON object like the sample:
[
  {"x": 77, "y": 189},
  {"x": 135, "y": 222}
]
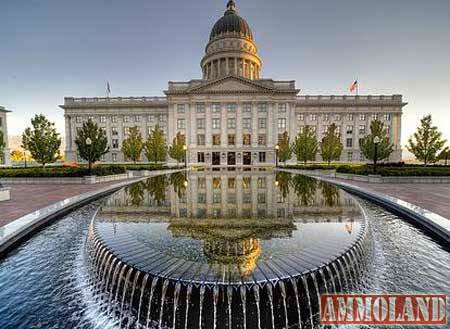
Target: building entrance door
[
  {"x": 247, "y": 158},
  {"x": 216, "y": 158}
]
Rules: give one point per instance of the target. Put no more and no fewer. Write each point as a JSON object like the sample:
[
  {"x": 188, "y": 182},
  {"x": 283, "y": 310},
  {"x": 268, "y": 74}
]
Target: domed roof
[{"x": 231, "y": 22}]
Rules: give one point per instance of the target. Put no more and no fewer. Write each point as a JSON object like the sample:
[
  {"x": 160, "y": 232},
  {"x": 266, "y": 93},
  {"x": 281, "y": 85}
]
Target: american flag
[
  {"x": 354, "y": 86},
  {"x": 108, "y": 89}
]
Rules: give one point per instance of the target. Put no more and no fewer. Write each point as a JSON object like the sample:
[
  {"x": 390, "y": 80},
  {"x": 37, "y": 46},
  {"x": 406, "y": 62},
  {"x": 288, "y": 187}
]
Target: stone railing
[
  {"x": 113, "y": 100},
  {"x": 395, "y": 100}
]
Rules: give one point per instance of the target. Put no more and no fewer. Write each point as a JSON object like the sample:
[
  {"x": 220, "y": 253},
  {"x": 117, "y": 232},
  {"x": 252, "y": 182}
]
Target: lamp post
[
  {"x": 277, "y": 148},
  {"x": 185, "y": 155},
  {"x": 89, "y": 144},
  {"x": 376, "y": 141}
]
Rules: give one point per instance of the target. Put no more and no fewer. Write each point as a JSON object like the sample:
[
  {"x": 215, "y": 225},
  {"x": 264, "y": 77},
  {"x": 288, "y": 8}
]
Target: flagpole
[{"x": 357, "y": 87}]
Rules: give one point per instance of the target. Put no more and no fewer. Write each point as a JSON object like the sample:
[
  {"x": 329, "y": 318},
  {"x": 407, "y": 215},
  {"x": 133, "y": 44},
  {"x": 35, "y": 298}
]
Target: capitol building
[{"x": 233, "y": 116}]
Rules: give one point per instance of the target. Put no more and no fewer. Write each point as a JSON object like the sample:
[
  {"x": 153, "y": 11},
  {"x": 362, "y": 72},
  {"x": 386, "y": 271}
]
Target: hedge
[
  {"x": 62, "y": 171},
  {"x": 405, "y": 170}
]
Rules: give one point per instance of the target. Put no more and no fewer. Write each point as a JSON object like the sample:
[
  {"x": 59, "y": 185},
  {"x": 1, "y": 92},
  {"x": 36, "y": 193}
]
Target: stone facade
[
  {"x": 4, "y": 158},
  {"x": 232, "y": 117}
]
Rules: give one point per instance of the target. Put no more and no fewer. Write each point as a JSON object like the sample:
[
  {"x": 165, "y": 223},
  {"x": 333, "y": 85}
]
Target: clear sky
[{"x": 56, "y": 48}]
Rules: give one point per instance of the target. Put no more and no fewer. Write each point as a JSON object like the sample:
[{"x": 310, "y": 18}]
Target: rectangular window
[
  {"x": 102, "y": 119},
  {"x": 150, "y": 118},
  {"x": 181, "y": 124},
  {"x": 201, "y": 182},
  {"x": 216, "y": 140},
  {"x": 324, "y": 129},
  {"x": 262, "y": 157},
  {"x": 115, "y": 144},
  {"x": 301, "y": 117},
  {"x": 181, "y": 108},
  {"x": 261, "y": 198},
  {"x": 162, "y": 118},
  {"x": 114, "y": 157},
  {"x": 246, "y": 139},
  {"x": 114, "y": 119},
  {"x": 282, "y": 108},
  {"x": 349, "y": 130},
  {"x": 216, "y": 123},
  {"x": 247, "y": 107},
  {"x": 281, "y": 123},
  {"x": 262, "y": 123},
  {"x": 200, "y": 139},
  {"x": 337, "y": 117},
  {"x": 362, "y": 117},
  {"x": 231, "y": 198},
  {"x": 200, "y": 107},
  {"x": 387, "y": 117},
  {"x": 262, "y": 140},
  {"x": 231, "y": 183},
  {"x": 350, "y": 156},
  {"x": 362, "y": 130},
  {"x": 137, "y": 118},
  {"x": 262, "y": 108},
  {"x": 79, "y": 119},
  {"x": 231, "y": 123},
  {"x": 231, "y": 139},
  {"x": 201, "y": 198},
  {"x": 126, "y": 118},
  {"x": 246, "y": 123},
  {"x": 216, "y": 108},
  {"x": 350, "y": 117},
  {"x": 200, "y": 157},
  {"x": 326, "y": 117},
  {"x": 114, "y": 131},
  {"x": 126, "y": 131},
  {"x": 200, "y": 123},
  {"x": 313, "y": 117},
  {"x": 349, "y": 142},
  {"x": 91, "y": 117},
  {"x": 231, "y": 108},
  {"x": 375, "y": 116},
  {"x": 217, "y": 197}
]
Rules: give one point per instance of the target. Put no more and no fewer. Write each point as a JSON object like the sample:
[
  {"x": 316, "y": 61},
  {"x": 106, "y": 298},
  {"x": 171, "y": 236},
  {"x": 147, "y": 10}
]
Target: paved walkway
[
  {"x": 434, "y": 197},
  {"x": 28, "y": 198}
]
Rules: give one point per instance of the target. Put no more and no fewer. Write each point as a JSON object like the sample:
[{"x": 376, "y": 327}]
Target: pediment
[{"x": 231, "y": 85}]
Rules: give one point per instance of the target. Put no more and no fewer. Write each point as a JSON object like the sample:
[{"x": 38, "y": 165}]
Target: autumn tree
[
  {"x": 42, "y": 140},
  {"x": 91, "y": 142},
  {"x": 133, "y": 145},
  {"x": 331, "y": 146},
  {"x": 176, "y": 150},
  {"x": 155, "y": 147},
  {"x": 376, "y": 151},
  {"x": 426, "y": 142},
  {"x": 284, "y": 148},
  {"x": 306, "y": 145}
]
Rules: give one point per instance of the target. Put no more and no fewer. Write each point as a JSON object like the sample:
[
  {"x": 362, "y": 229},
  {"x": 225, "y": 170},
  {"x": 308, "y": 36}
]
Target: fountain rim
[{"x": 362, "y": 234}]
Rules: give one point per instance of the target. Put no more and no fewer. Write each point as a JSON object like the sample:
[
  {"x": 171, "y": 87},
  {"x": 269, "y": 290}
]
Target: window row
[
  {"x": 124, "y": 118},
  {"x": 231, "y": 123},
  {"x": 230, "y": 107},
  {"x": 338, "y": 116},
  {"x": 231, "y": 139}
]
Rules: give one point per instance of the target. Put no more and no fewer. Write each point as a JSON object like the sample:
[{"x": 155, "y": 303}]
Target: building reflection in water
[{"x": 232, "y": 212}]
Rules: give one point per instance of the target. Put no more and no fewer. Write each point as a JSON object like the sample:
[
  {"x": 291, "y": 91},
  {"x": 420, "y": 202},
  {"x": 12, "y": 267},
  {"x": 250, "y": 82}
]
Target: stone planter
[{"x": 5, "y": 194}]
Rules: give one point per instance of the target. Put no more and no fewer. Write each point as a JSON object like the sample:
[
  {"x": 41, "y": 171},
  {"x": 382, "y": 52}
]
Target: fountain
[{"x": 219, "y": 250}]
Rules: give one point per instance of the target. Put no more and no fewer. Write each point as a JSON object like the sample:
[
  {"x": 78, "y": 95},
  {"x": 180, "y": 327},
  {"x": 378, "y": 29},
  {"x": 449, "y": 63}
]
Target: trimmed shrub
[
  {"x": 61, "y": 171},
  {"x": 406, "y": 170}
]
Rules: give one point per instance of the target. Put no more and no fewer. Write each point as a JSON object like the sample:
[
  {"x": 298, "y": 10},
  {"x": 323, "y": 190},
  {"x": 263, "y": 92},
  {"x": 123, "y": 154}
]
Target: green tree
[
  {"x": 331, "y": 146},
  {"x": 133, "y": 145},
  {"x": 426, "y": 142},
  {"x": 155, "y": 147},
  {"x": 176, "y": 150},
  {"x": 2, "y": 143},
  {"x": 42, "y": 140},
  {"x": 380, "y": 151},
  {"x": 445, "y": 155},
  {"x": 284, "y": 148},
  {"x": 306, "y": 145},
  {"x": 91, "y": 142}
]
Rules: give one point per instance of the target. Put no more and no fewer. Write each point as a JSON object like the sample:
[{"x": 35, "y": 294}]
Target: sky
[{"x": 56, "y": 48}]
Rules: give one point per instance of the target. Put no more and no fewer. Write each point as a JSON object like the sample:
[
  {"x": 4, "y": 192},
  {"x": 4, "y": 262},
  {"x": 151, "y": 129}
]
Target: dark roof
[{"x": 231, "y": 22}]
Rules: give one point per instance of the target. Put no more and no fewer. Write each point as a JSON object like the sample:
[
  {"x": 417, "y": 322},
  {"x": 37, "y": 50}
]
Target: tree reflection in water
[
  {"x": 178, "y": 181},
  {"x": 305, "y": 188},
  {"x": 156, "y": 187},
  {"x": 135, "y": 194},
  {"x": 330, "y": 194},
  {"x": 282, "y": 181}
]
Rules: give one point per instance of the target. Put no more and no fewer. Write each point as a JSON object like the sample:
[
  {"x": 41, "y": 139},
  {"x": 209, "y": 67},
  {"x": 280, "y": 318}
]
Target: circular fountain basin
[{"x": 188, "y": 259}]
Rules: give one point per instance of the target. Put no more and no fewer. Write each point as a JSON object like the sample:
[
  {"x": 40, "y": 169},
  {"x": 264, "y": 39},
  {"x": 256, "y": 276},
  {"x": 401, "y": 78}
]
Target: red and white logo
[{"x": 383, "y": 309}]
